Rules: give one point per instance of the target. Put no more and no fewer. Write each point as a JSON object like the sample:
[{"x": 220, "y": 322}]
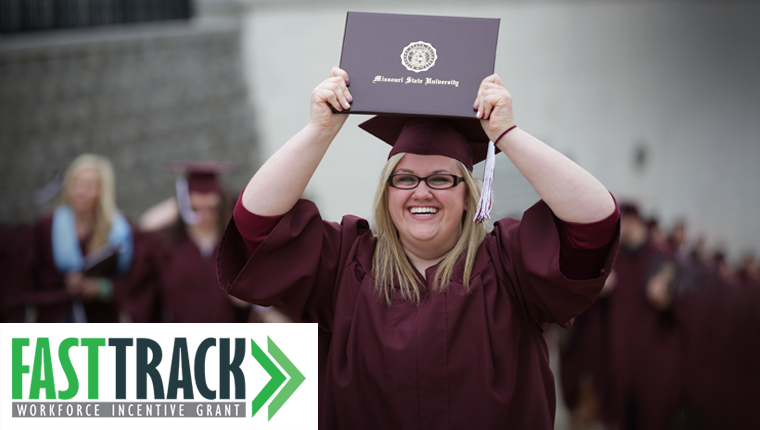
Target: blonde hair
[
  {"x": 390, "y": 259},
  {"x": 105, "y": 208}
]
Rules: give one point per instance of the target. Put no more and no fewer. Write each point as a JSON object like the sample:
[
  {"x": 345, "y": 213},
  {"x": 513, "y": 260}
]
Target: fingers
[
  {"x": 490, "y": 96},
  {"x": 489, "y": 101},
  {"x": 90, "y": 289},
  {"x": 494, "y": 106},
  {"x": 73, "y": 282},
  {"x": 334, "y": 92},
  {"x": 340, "y": 73},
  {"x": 493, "y": 79},
  {"x": 336, "y": 71},
  {"x": 490, "y": 81},
  {"x": 74, "y": 278},
  {"x": 485, "y": 100}
]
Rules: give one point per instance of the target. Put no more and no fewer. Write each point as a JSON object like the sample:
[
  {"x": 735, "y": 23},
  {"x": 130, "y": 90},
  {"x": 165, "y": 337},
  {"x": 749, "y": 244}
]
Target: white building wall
[{"x": 596, "y": 80}]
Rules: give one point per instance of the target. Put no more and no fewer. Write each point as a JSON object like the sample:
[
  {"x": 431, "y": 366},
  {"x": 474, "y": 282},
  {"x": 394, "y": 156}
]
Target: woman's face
[
  {"x": 207, "y": 206},
  {"x": 428, "y": 220},
  {"x": 84, "y": 190}
]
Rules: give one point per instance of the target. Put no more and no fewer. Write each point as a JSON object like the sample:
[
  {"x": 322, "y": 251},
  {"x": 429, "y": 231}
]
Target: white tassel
[
  {"x": 486, "y": 197},
  {"x": 183, "y": 201}
]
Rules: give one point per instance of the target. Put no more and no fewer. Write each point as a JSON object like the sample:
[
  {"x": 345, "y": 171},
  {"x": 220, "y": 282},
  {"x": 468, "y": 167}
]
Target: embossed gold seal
[{"x": 418, "y": 56}]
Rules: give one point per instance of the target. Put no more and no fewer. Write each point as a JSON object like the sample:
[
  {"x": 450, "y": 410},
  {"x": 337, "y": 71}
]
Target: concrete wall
[
  {"x": 142, "y": 95},
  {"x": 657, "y": 99}
]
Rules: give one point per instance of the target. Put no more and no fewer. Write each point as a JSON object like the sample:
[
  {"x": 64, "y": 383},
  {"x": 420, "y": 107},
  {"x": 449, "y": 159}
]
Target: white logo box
[{"x": 298, "y": 342}]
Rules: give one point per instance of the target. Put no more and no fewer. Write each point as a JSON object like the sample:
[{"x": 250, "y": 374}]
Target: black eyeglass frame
[{"x": 457, "y": 181}]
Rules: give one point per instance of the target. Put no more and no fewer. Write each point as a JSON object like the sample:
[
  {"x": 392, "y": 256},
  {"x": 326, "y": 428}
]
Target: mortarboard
[
  {"x": 462, "y": 139},
  {"x": 197, "y": 177},
  {"x": 629, "y": 208}
]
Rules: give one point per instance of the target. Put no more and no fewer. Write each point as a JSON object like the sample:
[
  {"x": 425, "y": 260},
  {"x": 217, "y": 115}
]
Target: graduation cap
[
  {"x": 629, "y": 208},
  {"x": 197, "y": 177},
  {"x": 462, "y": 139}
]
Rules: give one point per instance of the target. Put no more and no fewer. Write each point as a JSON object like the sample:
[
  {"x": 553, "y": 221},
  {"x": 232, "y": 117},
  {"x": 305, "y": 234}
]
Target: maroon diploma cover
[{"x": 417, "y": 64}]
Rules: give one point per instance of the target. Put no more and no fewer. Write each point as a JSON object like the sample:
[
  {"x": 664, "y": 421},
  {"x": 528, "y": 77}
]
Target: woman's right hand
[
  {"x": 73, "y": 281},
  {"x": 281, "y": 181},
  {"x": 331, "y": 93}
]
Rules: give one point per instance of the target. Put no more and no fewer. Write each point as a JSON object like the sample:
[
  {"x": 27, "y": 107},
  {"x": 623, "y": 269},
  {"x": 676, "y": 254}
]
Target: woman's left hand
[
  {"x": 90, "y": 289},
  {"x": 494, "y": 106},
  {"x": 572, "y": 193},
  {"x": 73, "y": 281},
  {"x": 79, "y": 285}
]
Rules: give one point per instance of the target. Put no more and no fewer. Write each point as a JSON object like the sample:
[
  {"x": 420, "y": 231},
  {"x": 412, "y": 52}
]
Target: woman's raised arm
[
  {"x": 572, "y": 193},
  {"x": 281, "y": 181}
]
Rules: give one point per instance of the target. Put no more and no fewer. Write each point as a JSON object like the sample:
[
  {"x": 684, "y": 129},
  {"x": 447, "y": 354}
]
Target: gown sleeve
[
  {"x": 295, "y": 267},
  {"x": 253, "y": 228},
  {"x": 48, "y": 287},
  {"x": 16, "y": 256},
  {"x": 554, "y": 279},
  {"x": 584, "y": 247},
  {"x": 137, "y": 293}
]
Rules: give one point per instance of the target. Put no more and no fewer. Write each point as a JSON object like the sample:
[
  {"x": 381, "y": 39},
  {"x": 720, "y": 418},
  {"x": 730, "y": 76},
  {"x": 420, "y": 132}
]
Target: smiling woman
[
  {"x": 423, "y": 225},
  {"x": 437, "y": 320}
]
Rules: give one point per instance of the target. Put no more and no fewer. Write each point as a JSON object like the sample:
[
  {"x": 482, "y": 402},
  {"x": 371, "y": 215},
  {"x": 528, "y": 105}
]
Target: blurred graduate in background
[
  {"x": 176, "y": 279},
  {"x": 80, "y": 249}
]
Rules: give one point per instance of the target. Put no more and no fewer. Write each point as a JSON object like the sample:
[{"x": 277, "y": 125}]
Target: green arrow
[
  {"x": 296, "y": 378},
  {"x": 269, "y": 389}
]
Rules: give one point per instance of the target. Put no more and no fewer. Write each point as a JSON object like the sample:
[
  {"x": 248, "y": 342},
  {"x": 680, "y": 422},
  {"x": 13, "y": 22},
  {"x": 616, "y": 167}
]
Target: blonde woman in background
[{"x": 85, "y": 226}]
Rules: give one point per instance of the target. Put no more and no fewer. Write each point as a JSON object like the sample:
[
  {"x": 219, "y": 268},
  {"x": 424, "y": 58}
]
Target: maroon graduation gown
[
  {"x": 747, "y": 351},
  {"x": 48, "y": 295},
  {"x": 15, "y": 260},
  {"x": 645, "y": 351},
  {"x": 137, "y": 293},
  {"x": 189, "y": 291},
  {"x": 584, "y": 355},
  {"x": 460, "y": 359},
  {"x": 721, "y": 351}
]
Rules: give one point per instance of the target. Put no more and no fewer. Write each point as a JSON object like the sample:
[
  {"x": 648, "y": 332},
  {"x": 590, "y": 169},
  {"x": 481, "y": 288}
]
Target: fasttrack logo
[{"x": 70, "y": 373}]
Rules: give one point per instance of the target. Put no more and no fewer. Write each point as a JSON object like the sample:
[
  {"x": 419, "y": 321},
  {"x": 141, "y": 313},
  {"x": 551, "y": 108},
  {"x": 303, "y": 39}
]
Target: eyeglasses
[{"x": 439, "y": 181}]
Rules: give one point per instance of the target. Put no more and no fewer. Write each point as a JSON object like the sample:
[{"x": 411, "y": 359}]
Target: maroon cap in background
[
  {"x": 203, "y": 176},
  {"x": 629, "y": 208},
  {"x": 198, "y": 177}
]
